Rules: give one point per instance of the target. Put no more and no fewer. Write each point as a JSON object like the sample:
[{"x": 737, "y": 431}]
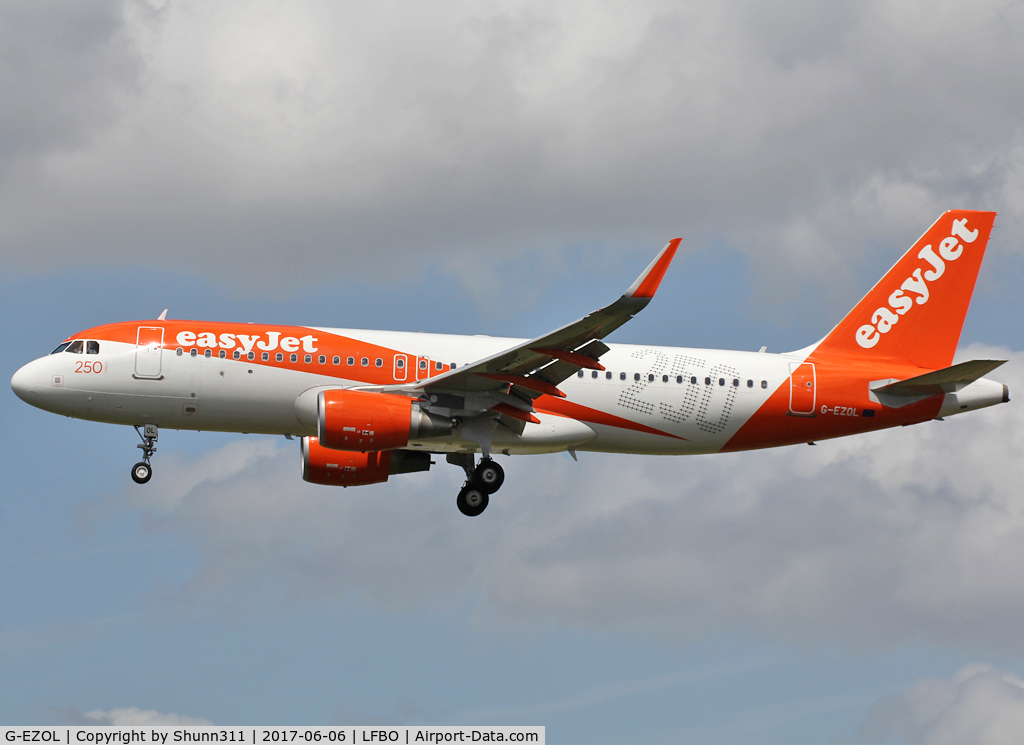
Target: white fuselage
[{"x": 651, "y": 386}]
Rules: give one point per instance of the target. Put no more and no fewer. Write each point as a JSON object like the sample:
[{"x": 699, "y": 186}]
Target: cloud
[
  {"x": 979, "y": 705},
  {"x": 64, "y": 67},
  {"x": 129, "y": 717},
  {"x": 902, "y": 536},
  {"x": 263, "y": 144}
]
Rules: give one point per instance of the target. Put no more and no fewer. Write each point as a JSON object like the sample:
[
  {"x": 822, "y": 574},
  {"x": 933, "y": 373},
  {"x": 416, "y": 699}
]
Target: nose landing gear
[
  {"x": 481, "y": 481},
  {"x": 143, "y": 471}
]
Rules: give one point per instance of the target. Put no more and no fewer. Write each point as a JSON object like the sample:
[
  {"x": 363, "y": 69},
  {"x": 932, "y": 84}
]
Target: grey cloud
[
  {"x": 63, "y": 67},
  {"x": 905, "y": 536},
  {"x": 135, "y": 717},
  {"x": 979, "y": 705},
  {"x": 267, "y": 143},
  {"x": 126, "y": 717}
]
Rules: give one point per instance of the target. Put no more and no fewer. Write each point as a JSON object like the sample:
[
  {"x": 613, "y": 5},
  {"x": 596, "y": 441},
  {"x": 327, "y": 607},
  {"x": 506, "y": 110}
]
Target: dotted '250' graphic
[{"x": 697, "y": 395}]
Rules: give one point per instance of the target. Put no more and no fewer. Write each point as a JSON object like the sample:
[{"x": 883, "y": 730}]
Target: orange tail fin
[{"x": 916, "y": 311}]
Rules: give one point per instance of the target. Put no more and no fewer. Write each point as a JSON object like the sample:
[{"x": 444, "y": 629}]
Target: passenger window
[
  {"x": 594, "y": 375},
  {"x": 350, "y": 361},
  {"x": 322, "y": 360},
  {"x": 423, "y": 364},
  {"x": 92, "y": 347},
  {"x": 294, "y": 358},
  {"x": 579, "y": 374},
  {"x": 251, "y": 355},
  {"x": 636, "y": 376},
  {"x": 439, "y": 366},
  {"x": 266, "y": 356},
  {"x": 721, "y": 381},
  {"x": 279, "y": 357},
  {"x": 664, "y": 378},
  {"x": 736, "y": 382},
  {"x": 452, "y": 366},
  {"x": 336, "y": 360},
  {"x": 750, "y": 384},
  {"x": 693, "y": 380},
  {"x": 60, "y": 348},
  {"x": 622, "y": 376},
  {"x": 236, "y": 355},
  {"x": 179, "y": 351},
  {"x": 764, "y": 383},
  {"x": 379, "y": 362},
  {"x": 75, "y": 347},
  {"x": 608, "y": 376},
  {"x": 365, "y": 362},
  {"x": 222, "y": 354},
  {"x": 193, "y": 351},
  {"x": 308, "y": 358},
  {"x": 208, "y": 353},
  {"x": 707, "y": 381},
  {"x": 679, "y": 378},
  {"x": 400, "y": 363}
]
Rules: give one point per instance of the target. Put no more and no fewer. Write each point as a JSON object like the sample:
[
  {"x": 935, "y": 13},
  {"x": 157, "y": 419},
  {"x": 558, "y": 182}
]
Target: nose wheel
[
  {"x": 141, "y": 473},
  {"x": 143, "y": 470},
  {"x": 481, "y": 482}
]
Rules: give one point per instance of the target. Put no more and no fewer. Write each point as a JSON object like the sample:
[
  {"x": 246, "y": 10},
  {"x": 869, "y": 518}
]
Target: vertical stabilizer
[{"x": 916, "y": 311}]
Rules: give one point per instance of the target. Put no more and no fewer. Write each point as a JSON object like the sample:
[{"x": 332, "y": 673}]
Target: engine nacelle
[
  {"x": 331, "y": 467},
  {"x": 364, "y": 421}
]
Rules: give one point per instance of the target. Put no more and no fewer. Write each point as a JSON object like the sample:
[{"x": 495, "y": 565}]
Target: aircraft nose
[{"x": 24, "y": 384}]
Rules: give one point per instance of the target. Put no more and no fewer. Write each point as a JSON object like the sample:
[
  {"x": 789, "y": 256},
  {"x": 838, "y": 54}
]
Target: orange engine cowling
[
  {"x": 331, "y": 467},
  {"x": 363, "y": 421}
]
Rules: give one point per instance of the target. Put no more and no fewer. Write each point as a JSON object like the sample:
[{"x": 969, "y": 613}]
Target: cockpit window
[
  {"x": 75, "y": 347},
  {"x": 92, "y": 347},
  {"x": 60, "y": 348}
]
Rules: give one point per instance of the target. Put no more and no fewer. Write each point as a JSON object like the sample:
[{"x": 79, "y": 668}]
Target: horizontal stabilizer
[{"x": 948, "y": 380}]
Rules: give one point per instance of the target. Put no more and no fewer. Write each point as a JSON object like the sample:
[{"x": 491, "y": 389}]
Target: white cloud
[
  {"x": 309, "y": 136},
  {"x": 980, "y": 705},
  {"x": 135, "y": 717},
  {"x": 903, "y": 536}
]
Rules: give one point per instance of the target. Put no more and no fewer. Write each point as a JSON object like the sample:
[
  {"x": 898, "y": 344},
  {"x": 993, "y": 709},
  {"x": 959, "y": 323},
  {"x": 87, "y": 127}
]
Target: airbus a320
[{"x": 366, "y": 405}]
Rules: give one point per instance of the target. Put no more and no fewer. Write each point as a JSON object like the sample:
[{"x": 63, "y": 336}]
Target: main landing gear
[
  {"x": 143, "y": 471},
  {"x": 481, "y": 482}
]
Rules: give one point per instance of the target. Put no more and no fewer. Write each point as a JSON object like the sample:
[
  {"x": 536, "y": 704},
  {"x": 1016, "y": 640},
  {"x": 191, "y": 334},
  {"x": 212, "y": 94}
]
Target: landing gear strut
[
  {"x": 481, "y": 481},
  {"x": 143, "y": 471}
]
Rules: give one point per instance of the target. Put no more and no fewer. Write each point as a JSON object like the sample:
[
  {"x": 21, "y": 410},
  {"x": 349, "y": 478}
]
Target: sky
[{"x": 504, "y": 168}]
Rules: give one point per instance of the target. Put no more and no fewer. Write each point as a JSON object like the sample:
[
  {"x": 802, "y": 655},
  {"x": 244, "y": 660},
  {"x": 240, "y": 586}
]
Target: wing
[{"x": 520, "y": 374}]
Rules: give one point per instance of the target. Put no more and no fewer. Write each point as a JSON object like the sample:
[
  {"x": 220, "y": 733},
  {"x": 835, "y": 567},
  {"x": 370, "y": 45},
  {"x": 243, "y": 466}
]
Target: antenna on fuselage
[{"x": 162, "y": 316}]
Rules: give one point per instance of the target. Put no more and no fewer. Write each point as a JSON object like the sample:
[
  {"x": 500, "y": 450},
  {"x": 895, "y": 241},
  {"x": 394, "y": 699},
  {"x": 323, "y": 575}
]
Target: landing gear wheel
[
  {"x": 472, "y": 500},
  {"x": 141, "y": 473},
  {"x": 488, "y": 476}
]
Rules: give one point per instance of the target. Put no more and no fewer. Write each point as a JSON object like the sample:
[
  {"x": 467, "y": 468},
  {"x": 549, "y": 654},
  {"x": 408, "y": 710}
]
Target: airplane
[{"x": 366, "y": 405}]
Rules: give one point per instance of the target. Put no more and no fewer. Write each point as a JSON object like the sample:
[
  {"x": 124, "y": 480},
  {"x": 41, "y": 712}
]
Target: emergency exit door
[{"x": 422, "y": 368}]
